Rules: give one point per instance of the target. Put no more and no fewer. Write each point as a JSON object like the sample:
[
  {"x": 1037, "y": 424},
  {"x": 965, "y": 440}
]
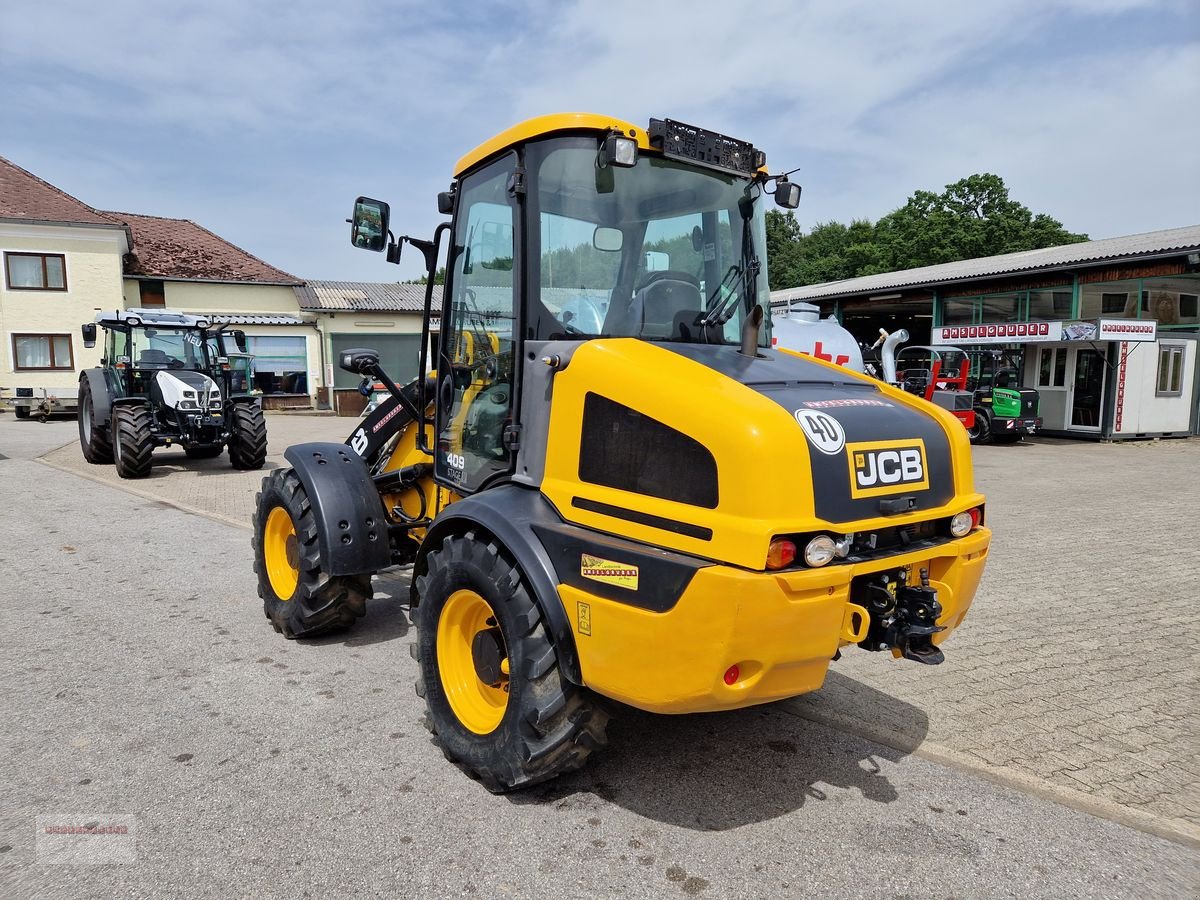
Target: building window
[
  {"x": 1049, "y": 305},
  {"x": 152, "y": 294},
  {"x": 1170, "y": 371},
  {"x": 1117, "y": 299},
  {"x": 280, "y": 363},
  {"x": 958, "y": 312},
  {"x": 1052, "y": 367},
  {"x": 1171, "y": 300},
  {"x": 42, "y": 351},
  {"x": 35, "y": 271}
]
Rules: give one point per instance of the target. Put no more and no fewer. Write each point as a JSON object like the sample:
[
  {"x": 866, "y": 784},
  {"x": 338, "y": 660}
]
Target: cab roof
[{"x": 544, "y": 125}]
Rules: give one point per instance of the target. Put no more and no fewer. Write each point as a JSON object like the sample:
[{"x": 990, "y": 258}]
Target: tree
[
  {"x": 439, "y": 277},
  {"x": 973, "y": 217}
]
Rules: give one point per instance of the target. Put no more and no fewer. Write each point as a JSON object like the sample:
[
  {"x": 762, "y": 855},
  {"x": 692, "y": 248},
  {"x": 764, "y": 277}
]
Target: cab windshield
[
  {"x": 165, "y": 348},
  {"x": 662, "y": 250}
]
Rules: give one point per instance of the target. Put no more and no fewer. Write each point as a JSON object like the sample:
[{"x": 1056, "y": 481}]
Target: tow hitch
[{"x": 903, "y": 617}]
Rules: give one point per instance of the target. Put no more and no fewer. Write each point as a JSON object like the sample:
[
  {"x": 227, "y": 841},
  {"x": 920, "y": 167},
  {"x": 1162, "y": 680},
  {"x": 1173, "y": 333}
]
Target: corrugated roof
[
  {"x": 365, "y": 296},
  {"x": 25, "y": 197},
  {"x": 179, "y": 248},
  {"x": 1151, "y": 243}
]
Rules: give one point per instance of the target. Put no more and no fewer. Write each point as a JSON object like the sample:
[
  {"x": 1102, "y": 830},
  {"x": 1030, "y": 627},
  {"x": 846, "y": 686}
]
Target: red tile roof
[
  {"x": 179, "y": 248},
  {"x": 26, "y": 197}
]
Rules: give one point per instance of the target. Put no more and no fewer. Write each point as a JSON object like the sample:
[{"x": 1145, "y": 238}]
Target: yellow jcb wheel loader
[{"x": 608, "y": 485}]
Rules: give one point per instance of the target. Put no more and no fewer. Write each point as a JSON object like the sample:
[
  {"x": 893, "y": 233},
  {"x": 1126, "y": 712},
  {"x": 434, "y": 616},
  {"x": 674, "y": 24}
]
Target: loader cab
[{"x": 566, "y": 237}]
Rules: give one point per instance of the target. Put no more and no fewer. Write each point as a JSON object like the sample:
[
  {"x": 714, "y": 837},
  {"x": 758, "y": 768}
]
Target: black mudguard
[
  {"x": 352, "y": 527},
  {"x": 509, "y": 513},
  {"x": 102, "y": 395}
]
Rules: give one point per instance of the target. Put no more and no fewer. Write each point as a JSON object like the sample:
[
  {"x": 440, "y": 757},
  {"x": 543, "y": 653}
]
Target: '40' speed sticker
[{"x": 822, "y": 430}]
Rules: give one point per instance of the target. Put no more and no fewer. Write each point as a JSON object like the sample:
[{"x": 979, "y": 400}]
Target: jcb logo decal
[{"x": 887, "y": 467}]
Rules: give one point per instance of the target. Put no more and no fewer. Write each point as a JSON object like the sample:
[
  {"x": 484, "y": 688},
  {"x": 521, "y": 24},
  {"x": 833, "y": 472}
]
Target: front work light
[
  {"x": 820, "y": 551},
  {"x": 620, "y": 151},
  {"x": 963, "y": 523}
]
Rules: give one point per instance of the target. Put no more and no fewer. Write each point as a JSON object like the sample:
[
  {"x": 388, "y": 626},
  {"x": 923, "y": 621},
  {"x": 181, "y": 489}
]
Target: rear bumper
[
  {"x": 1022, "y": 425},
  {"x": 780, "y": 629}
]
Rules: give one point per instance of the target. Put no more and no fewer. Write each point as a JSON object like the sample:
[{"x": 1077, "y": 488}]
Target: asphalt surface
[{"x": 143, "y": 682}]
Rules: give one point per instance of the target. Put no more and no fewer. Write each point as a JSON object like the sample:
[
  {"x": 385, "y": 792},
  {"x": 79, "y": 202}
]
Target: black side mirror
[
  {"x": 239, "y": 338},
  {"x": 89, "y": 335},
  {"x": 787, "y": 194},
  {"x": 369, "y": 225},
  {"x": 446, "y": 203}
]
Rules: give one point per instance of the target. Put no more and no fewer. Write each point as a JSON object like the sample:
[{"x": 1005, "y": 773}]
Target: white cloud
[{"x": 242, "y": 114}]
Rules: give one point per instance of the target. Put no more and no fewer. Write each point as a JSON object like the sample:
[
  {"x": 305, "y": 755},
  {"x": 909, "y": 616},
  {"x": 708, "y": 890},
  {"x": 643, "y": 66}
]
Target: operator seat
[
  {"x": 155, "y": 358},
  {"x": 663, "y": 301}
]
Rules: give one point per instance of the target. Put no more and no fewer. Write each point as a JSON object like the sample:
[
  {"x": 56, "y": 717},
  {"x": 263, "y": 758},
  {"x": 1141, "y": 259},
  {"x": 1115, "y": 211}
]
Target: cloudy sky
[{"x": 263, "y": 120}]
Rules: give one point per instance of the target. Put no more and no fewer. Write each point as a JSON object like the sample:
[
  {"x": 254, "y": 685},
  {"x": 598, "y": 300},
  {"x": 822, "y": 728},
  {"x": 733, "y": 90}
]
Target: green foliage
[
  {"x": 439, "y": 277},
  {"x": 973, "y": 217}
]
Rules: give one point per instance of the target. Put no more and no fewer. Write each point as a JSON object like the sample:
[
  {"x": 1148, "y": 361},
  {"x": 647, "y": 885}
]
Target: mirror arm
[{"x": 430, "y": 250}]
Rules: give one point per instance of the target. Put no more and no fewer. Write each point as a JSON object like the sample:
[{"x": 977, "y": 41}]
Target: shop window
[
  {"x": 1002, "y": 308},
  {"x": 1052, "y": 367},
  {"x": 35, "y": 271},
  {"x": 958, "y": 312},
  {"x": 280, "y": 363},
  {"x": 1113, "y": 299},
  {"x": 1170, "y": 371},
  {"x": 1171, "y": 300},
  {"x": 1049, "y": 306},
  {"x": 42, "y": 351},
  {"x": 1113, "y": 304}
]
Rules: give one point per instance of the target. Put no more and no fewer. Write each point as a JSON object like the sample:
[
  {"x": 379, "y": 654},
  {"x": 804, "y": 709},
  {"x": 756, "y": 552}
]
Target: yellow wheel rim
[
  {"x": 281, "y": 552},
  {"x": 479, "y": 706}
]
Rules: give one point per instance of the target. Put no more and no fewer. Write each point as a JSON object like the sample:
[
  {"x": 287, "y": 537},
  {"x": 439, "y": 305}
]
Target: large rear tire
[
  {"x": 298, "y": 597},
  {"x": 22, "y": 412},
  {"x": 248, "y": 436},
  {"x": 496, "y": 698},
  {"x": 93, "y": 437},
  {"x": 133, "y": 440}
]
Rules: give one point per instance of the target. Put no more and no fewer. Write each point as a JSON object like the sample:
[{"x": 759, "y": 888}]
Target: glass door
[{"x": 1087, "y": 388}]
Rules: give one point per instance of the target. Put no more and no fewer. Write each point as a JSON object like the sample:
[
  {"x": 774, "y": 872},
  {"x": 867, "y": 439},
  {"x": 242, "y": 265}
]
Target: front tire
[
  {"x": 298, "y": 597},
  {"x": 981, "y": 431},
  {"x": 133, "y": 440},
  {"x": 248, "y": 436},
  {"x": 21, "y": 412},
  {"x": 495, "y": 694},
  {"x": 93, "y": 437}
]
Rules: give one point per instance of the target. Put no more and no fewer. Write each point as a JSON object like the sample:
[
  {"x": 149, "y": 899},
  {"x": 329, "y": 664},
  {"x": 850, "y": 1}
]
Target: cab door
[{"x": 476, "y": 358}]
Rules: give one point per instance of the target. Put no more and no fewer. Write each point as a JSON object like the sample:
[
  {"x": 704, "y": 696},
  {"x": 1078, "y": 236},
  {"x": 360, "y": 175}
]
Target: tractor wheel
[
  {"x": 203, "y": 452},
  {"x": 248, "y": 436},
  {"x": 496, "y": 698},
  {"x": 299, "y": 598},
  {"x": 22, "y": 412},
  {"x": 981, "y": 431},
  {"x": 133, "y": 440},
  {"x": 93, "y": 438}
]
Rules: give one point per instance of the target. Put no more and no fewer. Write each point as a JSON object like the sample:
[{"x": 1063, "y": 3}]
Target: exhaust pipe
[
  {"x": 887, "y": 355},
  {"x": 750, "y": 329}
]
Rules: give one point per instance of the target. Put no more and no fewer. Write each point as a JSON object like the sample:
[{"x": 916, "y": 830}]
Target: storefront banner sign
[
  {"x": 1018, "y": 332},
  {"x": 1127, "y": 330}
]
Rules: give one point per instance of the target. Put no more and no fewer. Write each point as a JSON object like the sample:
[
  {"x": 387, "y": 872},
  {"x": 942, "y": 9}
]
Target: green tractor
[{"x": 1004, "y": 410}]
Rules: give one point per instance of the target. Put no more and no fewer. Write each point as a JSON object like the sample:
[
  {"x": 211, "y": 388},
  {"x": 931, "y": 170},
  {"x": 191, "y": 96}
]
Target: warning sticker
[
  {"x": 609, "y": 572},
  {"x": 585, "y": 618}
]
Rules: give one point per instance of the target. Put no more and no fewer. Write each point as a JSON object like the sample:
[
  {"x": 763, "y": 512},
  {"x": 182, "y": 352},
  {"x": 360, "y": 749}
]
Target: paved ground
[{"x": 149, "y": 685}]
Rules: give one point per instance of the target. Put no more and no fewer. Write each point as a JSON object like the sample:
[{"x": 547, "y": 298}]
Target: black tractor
[{"x": 166, "y": 379}]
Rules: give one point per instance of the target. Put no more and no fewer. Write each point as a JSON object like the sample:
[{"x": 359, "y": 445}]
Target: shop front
[{"x": 1105, "y": 378}]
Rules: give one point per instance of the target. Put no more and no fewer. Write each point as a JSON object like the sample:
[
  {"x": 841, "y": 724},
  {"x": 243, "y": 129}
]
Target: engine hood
[
  {"x": 865, "y": 448},
  {"x": 171, "y": 387}
]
